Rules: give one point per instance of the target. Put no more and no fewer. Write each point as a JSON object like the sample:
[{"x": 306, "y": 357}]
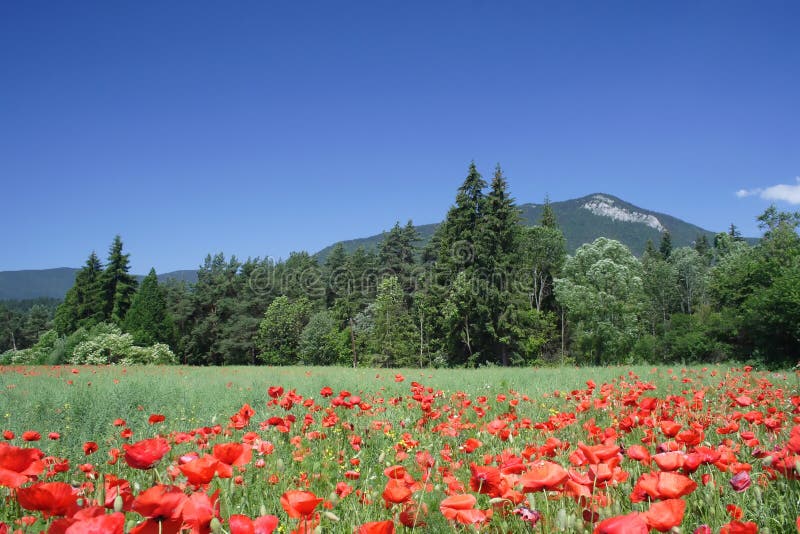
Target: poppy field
[{"x": 298, "y": 449}]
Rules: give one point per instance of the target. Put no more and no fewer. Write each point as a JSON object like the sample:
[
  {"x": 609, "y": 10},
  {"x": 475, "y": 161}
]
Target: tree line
[{"x": 484, "y": 290}]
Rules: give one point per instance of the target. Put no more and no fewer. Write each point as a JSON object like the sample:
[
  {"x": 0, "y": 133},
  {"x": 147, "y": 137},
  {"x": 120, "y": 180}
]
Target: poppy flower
[
  {"x": 664, "y": 515},
  {"x": 461, "y": 508},
  {"x": 198, "y": 511},
  {"x": 376, "y": 527},
  {"x": 395, "y": 492},
  {"x": 544, "y": 475},
  {"x": 299, "y": 504},
  {"x": 160, "y": 502},
  {"x": 241, "y": 524},
  {"x": 485, "y": 479},
  {"x": 200, "y": 470},
  {"x": 412, "y": 515},
  {"x": 50, "y": 498},
  {"x": 99, "y": 524},
  {"x": 623, "y": 524},
  {"x": 662, "y": 485},
  {"x": 233, "y": 453},
  {"x": 117, "y": 487},
  {"x": 740, "y": 481},
  {"x": 146, "y": 453},
  {"x": 156, "y": 418},
  {"x": 90, "y": 447},
  {"x": 31, "y": 435},
  {"x": 19, "y": 464},
  {"x": 737, "y": 527}
]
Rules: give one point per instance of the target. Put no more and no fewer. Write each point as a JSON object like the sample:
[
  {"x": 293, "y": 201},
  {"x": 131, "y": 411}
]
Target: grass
[{"x": 81, "y": 404}]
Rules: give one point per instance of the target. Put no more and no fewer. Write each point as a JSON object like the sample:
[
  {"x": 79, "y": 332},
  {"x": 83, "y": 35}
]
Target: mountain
[
  {"x": 583, "y": 220},
  {"x": 54, "y": 283}
]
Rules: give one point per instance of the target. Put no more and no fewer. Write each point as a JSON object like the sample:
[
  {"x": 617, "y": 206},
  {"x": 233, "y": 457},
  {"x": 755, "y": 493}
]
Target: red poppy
[
  {"x": 31, "y": 435},
  {"x": 623, "y": 524},
  {"x": 200, "y": 470},
  {"x": 396, "y": 492},
  {"x": 18, "y": 465},
  {"x": 461, "y": 508},
  {"x": 233, "y": 453},
  {"x": 156, "y": 418},
  {"x": 664, "y": 515},
  {"x": 376, "y": 527},
  {"x": 737, "y": 527},
  {"x": 160, "y": 502},
  {"x": 299, "y": 504},
  {"x": 50, "y": 498},
  {"x": 198, "y": 511},
  {"x": 485, "y": 479},
  {"x": 118, "y": 487},
  {"x": 90, "y": 447},
  {"x": 662, "y": 485},
  {"x": 99, "y": 524},
  {"x": 544, "y": 475},
  {"x": 241, "y": 524},
  {"x": 146, "y": 453}
]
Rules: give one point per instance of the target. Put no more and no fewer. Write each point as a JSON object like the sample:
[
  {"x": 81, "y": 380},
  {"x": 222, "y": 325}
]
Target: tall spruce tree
[
  {"x": 665, "y": 247},
  {"x": 118, "y": 284},
  {"x": 498, "y": 255},
  {"x": 84, "y": 304},
  {"x": 396, "y": 257},
  {"x": 147, "y": 319},
  {"x": 457, "y": 274},
  {"x": 548, "y": 218}
]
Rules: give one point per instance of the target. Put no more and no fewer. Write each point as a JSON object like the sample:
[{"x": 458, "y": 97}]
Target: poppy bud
[
  {"x": 331, "y": 516},
  {"x": 262, "y": 509},
  {"x": 130, "y": 526},
  {"x": 279, "y": 465},
  {"x": 767, "y": 461},
  {"x": 561, "y": 519},
  {"x": 118, "y": 503},
  {"x": 381, "y": 458},
  {"x": 215, "y": 525}
]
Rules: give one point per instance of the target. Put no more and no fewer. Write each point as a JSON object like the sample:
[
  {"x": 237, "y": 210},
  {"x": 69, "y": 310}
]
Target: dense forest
[{"x": 484, "y": 290}]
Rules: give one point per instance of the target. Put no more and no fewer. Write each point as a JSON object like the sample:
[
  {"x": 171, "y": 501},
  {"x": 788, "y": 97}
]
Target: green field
[{"x": 395, "y": 422}]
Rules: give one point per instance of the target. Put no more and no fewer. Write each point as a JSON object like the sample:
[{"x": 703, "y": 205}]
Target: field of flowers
[{"x": 258, "y": 450}]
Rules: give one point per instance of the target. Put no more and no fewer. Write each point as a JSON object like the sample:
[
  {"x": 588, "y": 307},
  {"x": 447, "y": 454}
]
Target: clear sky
[{"x": 260, "y": 127}]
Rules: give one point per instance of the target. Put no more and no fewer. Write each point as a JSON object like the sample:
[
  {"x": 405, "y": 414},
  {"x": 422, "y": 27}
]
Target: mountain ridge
[{"x": 582, "y": 220}]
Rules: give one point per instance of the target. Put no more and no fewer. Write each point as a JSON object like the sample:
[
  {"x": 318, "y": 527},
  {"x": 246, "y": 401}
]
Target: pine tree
[
  {"x": 335, "y": 275},
  {"x": 147, "y": 319},
  {"x": 548, "y": 218},
  {"x": 498, "y": 256},
  {"x": 84, "y": 304},
  {"x": 456, "y": 274},
  {"x": 119, "y": 285},
  {"x": 396, "y": 257},
  {"x": 665, "y": 247}
]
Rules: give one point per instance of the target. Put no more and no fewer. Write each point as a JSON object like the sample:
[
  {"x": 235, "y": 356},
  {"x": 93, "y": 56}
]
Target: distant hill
[
  {"x": 583, "y": 220},
  {"x": 54, "y": 283}
]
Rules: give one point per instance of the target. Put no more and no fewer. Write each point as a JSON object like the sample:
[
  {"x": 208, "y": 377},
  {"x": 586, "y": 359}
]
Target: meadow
[{"x": 302, "y": 449}]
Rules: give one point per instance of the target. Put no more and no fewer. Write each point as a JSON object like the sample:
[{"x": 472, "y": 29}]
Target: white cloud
[
  {"x": 785, "y": 192},
  {"x": 742, "y": 193}
]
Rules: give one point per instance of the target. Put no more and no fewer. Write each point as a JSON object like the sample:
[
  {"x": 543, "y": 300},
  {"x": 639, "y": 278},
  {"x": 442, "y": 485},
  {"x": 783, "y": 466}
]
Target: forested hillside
[{"x": 484, "y": 289}]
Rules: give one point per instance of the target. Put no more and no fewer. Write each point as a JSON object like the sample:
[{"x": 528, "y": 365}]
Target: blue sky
[{"x": 258, "y": 128}]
